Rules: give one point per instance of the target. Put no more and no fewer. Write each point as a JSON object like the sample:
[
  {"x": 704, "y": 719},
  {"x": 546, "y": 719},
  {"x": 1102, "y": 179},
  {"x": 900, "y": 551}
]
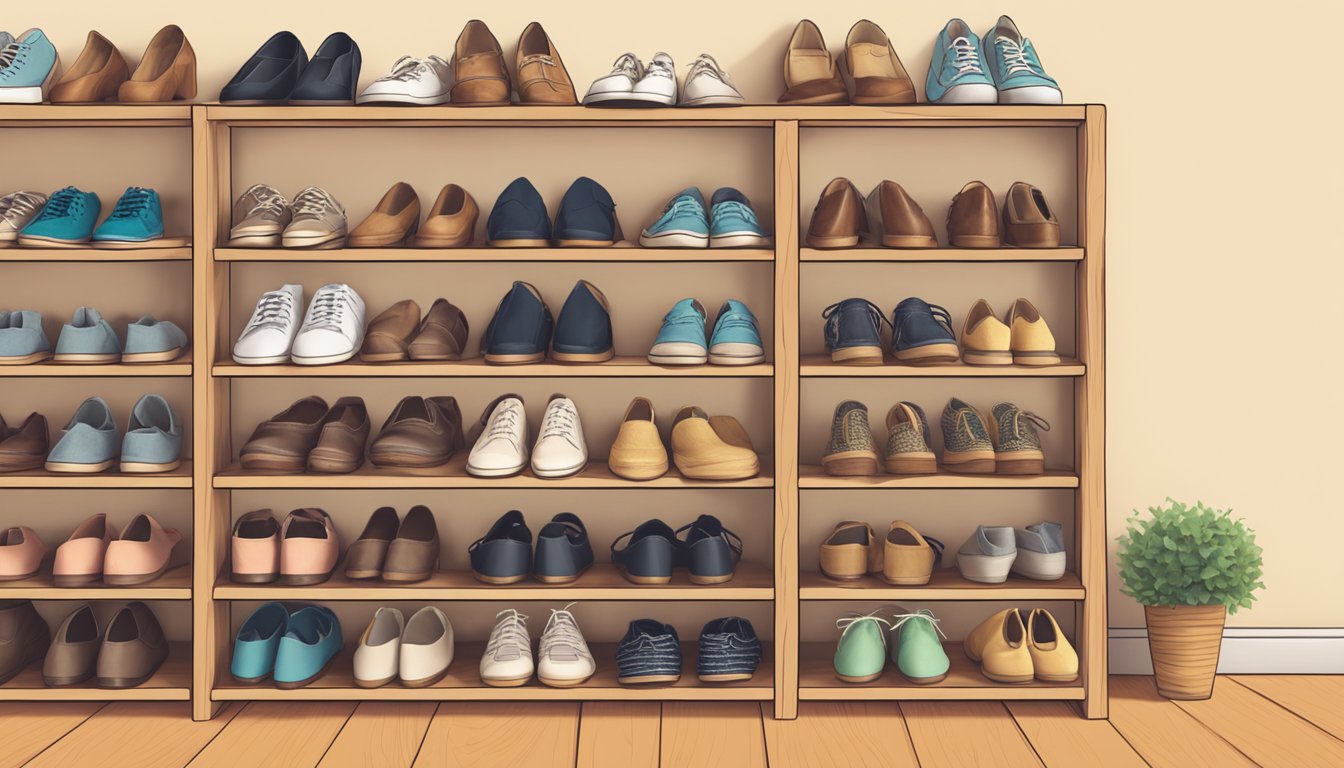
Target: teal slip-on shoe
[
  {"x": 89, "y": 442},
  {"x": 258, "y": 640},
  {"x": 68, "y": 217},
  {"x": 87, "y": 338},
  {"x": 957, "y": 71},
  {"x": 733, "y": 222},
  {"x": 153, "y": 341},
  {"x": 136, "y": 218},
  {"x": 30, "y": 66},
  {"x": 1015, "y": 67},
  {"x": 311, "y": 640},
  {"x": 917, "y": 652},
  {"x": 153, "y": 441},
  {"x": 736, "y": 339},
  {"x": 861, "y": 654},
  {"x": 684, "y": 223},
  {"x": 681, "y": 339},
  {"x": 22, "y": 340}
]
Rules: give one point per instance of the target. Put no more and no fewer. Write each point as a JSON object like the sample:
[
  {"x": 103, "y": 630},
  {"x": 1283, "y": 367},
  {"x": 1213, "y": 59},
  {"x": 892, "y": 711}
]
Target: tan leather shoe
[
  {"x": 309, "y": 548},
  {"x": 999, "y": 646},
  {"x": 712, "y": 449},
  {"x": 420, "y": 432},
  {"x": 392, "y": 222},
  {"x": 879, "y": 76},
  {"x": 389, "y": 336},
  {"x": 79, "y": 561},
  {"x": 142, "y": 553},
  {"x": 345, "y": 433},
  {"x": 895, "y": 220},
  {"x": 638, "y": 452},
  {"x": 442, "y": 335},
  {"x": 851, "y": 552},
  {"x": 21, "y": 553},
  {"x": 985, "y": 339},
  {"x": 366, "y": 556},
  {"x": 167, "y": 71},
  {"x": 1032, "y": 342},
  {"x": 254, "y": 548},
  {"x": 810, "y": 74},
  {"x": 479, "y": 75},
  {"x": 839, "y": 218},
  {"x": 1053, "y": 659},
  {"x": 542, "y": 77},
  {"x": 1028, "y": 220},
  {"x": 451, "y": 221},
  {"x": 973, "y": 219},
  {"x": 413, "y": 554},
  {"x": 95, "y": 76},
  {"x": 284, "y": 441},
  {"x": 909, "y": 558}
]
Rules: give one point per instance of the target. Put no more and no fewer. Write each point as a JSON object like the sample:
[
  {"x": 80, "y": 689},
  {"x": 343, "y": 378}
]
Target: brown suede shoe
[
  {"x": 284, "y": 441},
  {"x": 25, "y": 447},
  {"x": 973, "y": 219},
  {"x": 879, "y": 76},
  {"x": 442, "y": 334},
  {"x": 340, "y": 444},
  {"x": 542, "y": 77},
  {"x": 451, "y": 221},
  {"x": 479, "y": 75},
  {"x": 73, "y": 656},
  {"x": 389, "y": 335},
  {"x": 23, "y": 637},
  {"x": 95, "y": 76},
  {"x": 365, "y": 558},
  {"x": 392, "y": 222},
  {"x": 133, "y": 649},
  {"x": 414, "y": 553},
  {"x": 839, "y": 218},
  {"x": 418, "y": 433},
  {"x": 810, "y": 74},
  {"x": 895, "y": 220},
  {"x": 1028, "y": 220},
  {"x": 167, "y": 71}
]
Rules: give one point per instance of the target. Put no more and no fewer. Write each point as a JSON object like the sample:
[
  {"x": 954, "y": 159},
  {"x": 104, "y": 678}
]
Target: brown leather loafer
[
  {"x": 95, "y": 76},
  {"x": 1028, "y": 220},
  {"x": 414, "y": 553},
  {"x": 442, "y": 335},
  {"x": 479, "y": 75},
  {"x": 133, "y": 649},
  {"x": 392, "y": 222},
  {"x": 340, "y": 444},
  {"x": 167, "y": 71},
  {"x": 810, "y": 74},
  {"x": 895, "y": 220},
  {"x": 389, "y": 336},
  {"x": 451, "y": 221},
  {"x": 23, "y": 637},
  {"x": 839, "y": 218},
  {"x": 879, "y": 76},
  {"x": 973, "y": 219},
  {"x": 365, "y": 558},
  {"x": 542, "y": 77},
  {"x": 25, "y": 447},
  {"x": 283, "y": 442},
  {"x": 73, "y": 656},
  {"x": 419, "y": 433}
]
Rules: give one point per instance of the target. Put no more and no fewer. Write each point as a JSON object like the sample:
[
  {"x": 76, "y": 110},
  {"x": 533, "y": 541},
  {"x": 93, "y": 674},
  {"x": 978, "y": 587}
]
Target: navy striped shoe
[
  {"x": 729, "y": 650},
  {"x": 650, "y": 652}
]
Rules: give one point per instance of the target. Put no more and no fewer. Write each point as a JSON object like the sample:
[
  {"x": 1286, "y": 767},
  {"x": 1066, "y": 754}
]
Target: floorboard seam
[
  {"x": 1286, "y": 709},
  {"x": 1205, "y": 726},
  {"x": 909, "y": 737},
  {"x": 1132, "y": 748},
  {"x": 1023, "y": 734},
  {"x": 67, "y": 733},
  {"x": 336, "y": 735},
  {"x": 425, "y": 735}
]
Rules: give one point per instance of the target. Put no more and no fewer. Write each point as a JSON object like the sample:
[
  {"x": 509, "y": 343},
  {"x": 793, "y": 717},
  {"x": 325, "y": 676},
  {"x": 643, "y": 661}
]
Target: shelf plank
[
  {"x": 971, "y": 255},
  {"x": 147, "y": 253},
  {"x": 173, "y": 585},
  {"x": 463, "y": 683},
  {"x": 172, "y": 682},
  {"x": 621, "y": 252},
  {"x": 822, "y": 366},
  {"x": 621, "y": 366},
  {"x": 176, "y": 368},
  {"x": 812, "y": 476},
  {"x": 99, "y": 115},
  {"x": 946, "y": 584},
  {"x": 40, "y": 478}
]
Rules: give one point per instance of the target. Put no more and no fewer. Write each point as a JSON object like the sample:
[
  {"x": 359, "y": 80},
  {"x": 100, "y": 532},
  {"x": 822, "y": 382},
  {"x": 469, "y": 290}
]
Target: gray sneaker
[
  {"x": 87, "y": 338},
  {"x": 319, "y": 221},
  {"x": 153, "y": 341},
  {"x": 1040, "y": 551},
  {"x": 988, "y": 554},
  {"x": 260, "y": 216}
]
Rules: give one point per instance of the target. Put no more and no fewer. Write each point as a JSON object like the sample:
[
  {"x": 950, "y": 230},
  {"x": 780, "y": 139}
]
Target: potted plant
[{"x": 1189, "y": 567}]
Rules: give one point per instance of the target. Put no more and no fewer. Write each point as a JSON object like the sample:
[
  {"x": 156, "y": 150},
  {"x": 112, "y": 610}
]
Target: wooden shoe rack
[{"x": 785, "y": 403}]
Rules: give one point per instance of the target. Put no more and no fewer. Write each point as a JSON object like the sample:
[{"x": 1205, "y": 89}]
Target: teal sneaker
[
  {"x": 861, "y": 654},
  {"x": 68, "y": 217},
  {"x": 30, "y": 64},
  {"x": 137, "y": 218},
  {"x": 683, "y": 224},
  {"x": 733, "y": 223},
  {"x": 957, "y": 71},
  {"x": 917, "y": 652},
  {"x": 681, "y": 339},
  {"x": 1016, "y": 68},
  {"x": 736, "y": 339}
]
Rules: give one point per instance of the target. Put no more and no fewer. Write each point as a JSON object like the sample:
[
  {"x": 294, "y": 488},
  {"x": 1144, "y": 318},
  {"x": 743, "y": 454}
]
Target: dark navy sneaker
[
  {"x": 922, "y": 333},
  {"x": 583, "y": 330},
  {"x": 651, "y": 554},
  {"x": 650, "y": 652},
  {"x": 520, "y": 331},
  {"x": 729, "y": 650},
  {"x": 269, "y": 77},
  {"x": 711, "y": 551},
  {"x": 854, "y": 332},
  {"x": 504, "y": 554},
  {"x": 519, "y": 218},
  {"x": 563, "y": 550},
  {"x": 331, "y": 75},
  {"x": 587, "y": 216}
]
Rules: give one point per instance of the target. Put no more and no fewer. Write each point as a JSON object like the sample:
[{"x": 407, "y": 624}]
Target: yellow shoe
[
  {"x": 909, "y": 558},
  {"x": 985, "y": 339},
  {"x": 1052, "y": 656},
  {"x": 851, "y": 552},
  {"x": 712, "y": 449},
  {"x": 999, "y": 645},
  {"x": 1033, "y": 343},
  {"x": 638, "y": 452}
]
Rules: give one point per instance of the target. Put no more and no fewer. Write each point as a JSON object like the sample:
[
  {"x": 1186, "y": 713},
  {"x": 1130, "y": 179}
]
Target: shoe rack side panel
[{"x": 787, "y": 383}]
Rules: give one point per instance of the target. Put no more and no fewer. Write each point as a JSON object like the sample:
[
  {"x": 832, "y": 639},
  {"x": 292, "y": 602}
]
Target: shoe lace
[
  {"x": 9, "y": 53},
  {"x": 965, "y": 57},
  {"x": 831, "y": 315},
  {"x": 267, "y": 202},
  {"x": 511, "y": 631},
  {"x": 1029, "y": 417},
  {"x": 313, "y": 203},
  {"x": 975, "y": 429},
  {"x": 132, "y": 204},
  {"x": 273, "y": 310},
  {"x": 328, "y": 308},
  {"x": 559, "y": 420},
  {"x": 503, "y": 421},
  {"x": 705, "y": 64},
  {"x": 62, "y": 203},
  {"x": 408, "y": 68},
  {"x": 939, "y": 314},
  {"x": 735, "y": 210},
  {"x": 660, "y": 67},
  {"x": 627, "y": 64},
  {"x": 920, "y": 615},
  {"x": 850, "y": 619},
  {"x": 1015, "y": 56},
  {"x": 563, "y": 630},
  {"x": 735, "y": 319},
  {"x": 686, "y": 206}
]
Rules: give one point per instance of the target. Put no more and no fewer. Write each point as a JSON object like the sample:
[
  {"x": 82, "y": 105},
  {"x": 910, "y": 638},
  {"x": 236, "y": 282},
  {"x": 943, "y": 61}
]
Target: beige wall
[{"x": 1223, "y": 262}]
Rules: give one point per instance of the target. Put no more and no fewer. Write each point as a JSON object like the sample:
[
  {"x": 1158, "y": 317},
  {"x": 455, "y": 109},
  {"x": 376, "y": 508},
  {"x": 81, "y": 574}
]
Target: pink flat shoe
[
  {"x": 21, "y": 553},
  {"x": 79, "y": 561},
  {"x": 141, "y": 555},
  {"x": 309, "y": 548},
  {"x": 255, "y": 548}
]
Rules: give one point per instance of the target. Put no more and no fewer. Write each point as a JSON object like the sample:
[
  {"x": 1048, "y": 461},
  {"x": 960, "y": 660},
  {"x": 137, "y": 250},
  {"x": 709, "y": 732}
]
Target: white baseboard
[{"x": 1246, "y": 651}]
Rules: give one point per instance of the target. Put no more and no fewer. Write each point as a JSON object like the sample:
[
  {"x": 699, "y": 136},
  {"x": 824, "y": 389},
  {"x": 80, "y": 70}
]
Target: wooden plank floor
[{"x": 1269, "y": 721}]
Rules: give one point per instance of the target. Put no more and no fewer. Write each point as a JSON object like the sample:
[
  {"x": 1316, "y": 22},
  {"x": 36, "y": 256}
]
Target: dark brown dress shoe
[
  {"x": 442, "y": 335},
  {"x": 26, "y": 447},
  {"x": 133, "y": 649},
  {"x": 895, "y": 220},
  {"x": 418, "y": 433},
  {"x": 389, "y": 336},
  {"x": 414, "y": 553},
  {"x": 839, "y": 219},
  {"x": 283, "y": 442},
  {"x": 542, "y": 78},
  {"x": 1028, "y": 220},
  {"x": 95, "y": 76},
  {"x": 479, "y": 75},
  {"x": 365, "y": 558},
  {"x": 345, "y": 433},
  {"x": 810, "y": 74},
  {"x": 24, "y": 637},
  {"x": 973, "y": 219},
  {"x": 73, "y": 656}
]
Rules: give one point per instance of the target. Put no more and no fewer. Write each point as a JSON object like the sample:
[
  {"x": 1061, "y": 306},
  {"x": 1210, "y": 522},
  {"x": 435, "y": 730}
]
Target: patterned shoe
[
  {"x": 650, "y": 652},
  {"x": 729, "y": 651},
  {"x": 966, "y": 445},
  {"x": 851, "y": 450},
  {"x": 908, "y": 451},
  {"x": 1017, "y": 444}
]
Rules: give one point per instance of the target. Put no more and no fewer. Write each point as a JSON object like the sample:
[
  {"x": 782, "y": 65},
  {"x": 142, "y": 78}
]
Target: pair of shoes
[
  {"x": 501, "y": 446},
  {"x": 586, "y": 217},
  {"x": 1028, "y": 220},
  {"x": 1023, "y": 338},
  {"x": 504, "y": 554},
  {"x": 310, "y": 435},
  {"x": 632, "y": 84},
  {"x": 853, "y": 451},
  {"x": 730, "y": 222},
  {"x": 293, "y": 649},
  {"x": 91, "y": 554},
  {"x": 1002, "y": 67},
  {"x": 280, "y": 72},
  {"x": 904, "y": 558},
  {"x": 861, "y": 654},
  {"x": 332, "y": 330},
  {"x": 921, "y": 332},
  {"x": 301, "y": 551},
  {"x": 709, "y": 552},
  {"x": 405, "y": 550},
  {"x": 1011, "y": 650},
  {"x": 263, "y": 218},
  {"x": 811, "y": 75},
  {"x": 521, "y": 329},
  {"x": 88, "y": 338},
  {"x": 24, "y": 447},
  {"x": 681, "y": 340},
  {"x": 993, "y": 551},
  {"x": 650, "y": 652},
  {"x": 153, "y": 440},
  {"x": 398, "y": 333},
  {"x": 166, "y": 72},
  {"x": 418, "y": 652},
  {"x": 1011, "y": 445},
  {"x": 395, "y": 221},
  {"x": 125, "y": 656},
  {"x": 563, "y": 659},
  {"x": 69, "y": 215}
]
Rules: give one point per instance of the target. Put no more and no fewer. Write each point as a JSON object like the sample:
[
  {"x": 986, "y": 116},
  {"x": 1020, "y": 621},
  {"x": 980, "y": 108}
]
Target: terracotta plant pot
[{"x": 1184, "y": 641}]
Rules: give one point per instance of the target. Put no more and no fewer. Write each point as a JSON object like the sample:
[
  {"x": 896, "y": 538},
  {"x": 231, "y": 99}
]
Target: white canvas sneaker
[
  {"x": 658, "y": 86},
  {"x": 617, "y": 85},
  {"x": 501, "y": 449},
  {"x": 426, "y": 648},
  {"x": 563, "y": 659},
  {"x": 412, "y": 81},
  {"x": 260, "y": 216},
  {"x": 379, "y": 649},
  {"x": 333, "y": 328},
  {"x": 707, "y": 85},
  {"x": 16, "y": 210},
  {"x": 319, "y": 221},
  {"x": 507, "y": 661},
  {"x": 268, "y": 335},
  {"x": 560, "y": 450}
]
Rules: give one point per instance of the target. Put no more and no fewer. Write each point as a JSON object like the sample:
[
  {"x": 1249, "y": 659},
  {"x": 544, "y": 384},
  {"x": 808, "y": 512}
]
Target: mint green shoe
[
  {"x": 861, "y": 654},
  {"x": 918, "y": 652}
]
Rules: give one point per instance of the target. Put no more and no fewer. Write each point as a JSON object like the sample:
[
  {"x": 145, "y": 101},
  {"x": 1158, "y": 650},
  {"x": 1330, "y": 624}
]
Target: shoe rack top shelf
[
  {"x": 622, "y": 366},
  {"x": 946, "y": 584},
  {"x": 621, "y": 252},
  {"x": 176, "y": 115}
]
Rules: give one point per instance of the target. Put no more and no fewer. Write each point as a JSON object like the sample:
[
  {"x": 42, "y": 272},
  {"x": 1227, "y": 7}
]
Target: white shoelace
[
  {"x": 562, "y": 629},
  {"x": 268, "y": 202},
  {"x": 844, "y": 622},
  {"x": 1015, "y": 56},
  {"x": 660, "y": 67},
  {"x": 559, "y": 421},
  {"x": 902, "y": 618},
  {"x": 966, "y": 57},
  {"x": 705, "y": 64},
  {"x": 629, "y": 65},
  {"x": 273, "y": 311},
  {"x": 503, "y": 421},
  {"x": 409, "y": 68},
  {"x": 8, "y": 53},
  {"x": 328, "y": 308},
  {"x": 509, "y": 633},
  {"x": 314, "y": 203}
]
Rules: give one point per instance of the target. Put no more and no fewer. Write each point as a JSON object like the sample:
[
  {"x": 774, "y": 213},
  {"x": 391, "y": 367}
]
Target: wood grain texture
[
  {"x": 1268, "y": 734},
  {"x": 273, "y": 735},
  {"x": 1061, "y": 739},
  {"x": 619, "y": 734},
  {"x": 1164, "y": 734},
  {"x": 840, "y": 735},
  {"x": 503, "y": 734},
  {"x": 1318, "y": 699},
  {"x": 135, "y": 735},
  {"x": 712, "y": 733},
  {"x": 957, "y": 734},
  {"x": 204, "y": 628},
  {"x": 387, "y": 734},
  {"x": 26, "y": 730}
]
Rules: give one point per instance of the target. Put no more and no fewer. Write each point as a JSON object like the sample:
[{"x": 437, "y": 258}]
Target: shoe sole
[
  {"x": 153, "y": 357},
  {"x": 140, "y": 467},
  {"x": 969, "y": 462},
  {"x": 911, "y": 465},
  {"x": 255, "y": 241},
  {"x": 930, "y": 354},
  {"x": 736, "y": 359},
  {"x": 80, "y": 469},
  {"x": 1036, "y": 358},
  {"x": 407, "y": 99},
  {"x": 535, "y": 357},
  {"x": 974, "y": 241},
  {"x": 133, "y": 579},
  {"x": 86, "y": 359},
  {"x": 674, "y": 240},
  {"x": 505, "y": 682},
  {"x": 334, "y": 240},
  {"x": 332, "y": 465},
  {"x": 325, "y": 359},
  {"x": 498, "y": 580},
  {"x": 729, "y": 677},
  {"x": 1019, "y": 463},
  {"x": 642, "y": 679},
  {"x": 552, "y": 474},
  {"x": 909, "y": 241},
  {"x": 850, "y": 463},
  {"x": 582, "y": 357},
  {"x": 269, "y": 360},
  {"x": 638, "y": 472},
  {"x": 857, "y": 679},
  {"x": 719, "y": 470},
  {"x": 832, "y": 242},
  {"x": 871, "y": 355},
  {"x": 507, "y": 472},
  {"x": 35, "y": 357},
  {"x": 269, "y": 463},
  {"x": 555, "y": 682},
  {"x": 986, "y": 357},
  {"x": 678, "y": 359},
  {"x": 738, "y": 241},
  {"x": 425, "y": 682}
]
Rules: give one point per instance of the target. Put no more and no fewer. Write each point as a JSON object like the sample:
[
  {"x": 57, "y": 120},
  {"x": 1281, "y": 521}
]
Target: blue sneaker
[
  {"x": 729, "y": 650},
  {"x": 520, "y": 331},
  {"x": 957, "y": 71},
  {"x": 853, "y": 332},
  {"x": 587, "y": 216},
  {"x": 583, "y": 329},
  {"x": 30, "y": 64},
  {"x": 1016, "y": 68},
  {"x": 684, "y": 223},
  {"x": 136, "y": 218},
  {"x": 312, "y": 639},
  {"x": 736, "y": 339},
  {"x": 681, "y": 339},
  {"x": 922, "y": 333},
  {"x": 733, "y": 223},
  {"x": 68, "y": 217},
  {"x": 258, "y": 640},
  {"x": 519, "y": 218}
]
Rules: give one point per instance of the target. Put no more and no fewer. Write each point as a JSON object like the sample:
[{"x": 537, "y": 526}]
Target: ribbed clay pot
[{"x": 1184, "y": 641}]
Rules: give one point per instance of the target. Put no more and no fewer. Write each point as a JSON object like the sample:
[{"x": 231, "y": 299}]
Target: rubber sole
[
  {"x": 986, "y": 357},
  {"x": 638, "y": 472},
  {"x": 582, "y": 357},
  {"x": 388, "y": 460},
  {"x": 508, "y": 472},
  {"x": 271, "y": 463},
  {"x": 80, "y": 469},
  {"x": 142, "y": 468},
  {"x": 505, "y": 682},
  {"x": 633, "y": 579},
  {"x": 86, "y": 359},
  {"x": 970, "y": 462},
  {"x": 735, "y": 470},
  {"x": 858, "y": 355},
  {"x": 909, "y": 241},
  {"x": 325, "y": 359},
  {"x": 706, "y": 580},
  {"x": 930, "y": 354},
  {"x": 832, "y": 242},
  {"x": 850, "y": 463},
  {"x": 674, "y": 240},
  {"x": 926, "y": 464},
  {"x": 556, "y": 474},
  {"x": 253, "y": 578},
  {"x": 857, "y": 679},
  {"x": 425, "y": 682},
  {"x": 332, "y": 465},
  {"x": 498, "y": 580},
  {"x": 133, "y": 579},
  {"x": 974, "y": 241},
  {"x": 153, "y": 357},
  {"x": 728, "y": 677},
  {"x": 35, "y": 357},
  {"x": 535, "y": 357},
  {"x": 558, "y": 683},
  {"x": 645, "y": 679},
  {"x": 1019, "y": 463},
  {"x": 1036, "y": 358}
]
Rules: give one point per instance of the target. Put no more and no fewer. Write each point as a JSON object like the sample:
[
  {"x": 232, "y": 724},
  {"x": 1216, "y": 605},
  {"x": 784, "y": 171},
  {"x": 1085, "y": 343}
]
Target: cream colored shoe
[
  {"x": 717, "y": 448},
  {"x": 1052, "y": 657},
  {"x": 985, "y": 339},
  {"x": 908, "y": 557},
  {"x": 1033, "y": 343},
  {"x": 999, "y": 645},
  {"x": 850, "y": 552},
  {"x": 638, "y": 452}
]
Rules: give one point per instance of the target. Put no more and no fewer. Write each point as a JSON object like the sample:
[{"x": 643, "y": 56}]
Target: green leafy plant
[{"x": 1182, "y": 555}]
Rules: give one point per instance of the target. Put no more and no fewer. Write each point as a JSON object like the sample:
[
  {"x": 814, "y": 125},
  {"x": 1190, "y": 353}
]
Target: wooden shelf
[
  {"x": 946, "y": 584},
  {"x": 621, "y": 252},
  {"x": 973, "y": 255},
  {"x": 822, "y": 366},
  {"x": 621, "y": 366},
  {"x": 812, "y": 476},
  {"x": 463, "y": 682},
  {"x": 147, "y": 253},
  {"x": 98, "y": 115},
  {"x": 173, "y": 585},
  {"x": 172, "y": 682},
  {"x": 178, "y": 478},
  {"x": 817, "y": 680},
  {"x": 178, "y": 367}
]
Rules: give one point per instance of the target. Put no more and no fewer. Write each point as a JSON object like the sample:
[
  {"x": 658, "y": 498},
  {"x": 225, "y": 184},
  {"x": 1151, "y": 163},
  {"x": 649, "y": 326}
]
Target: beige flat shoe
[
  {"x": 908, "y": 557},
  {"x": 638, "y": 452},
  {"x": 712, "y": 449},
  {"x": 851, "y": 552}
]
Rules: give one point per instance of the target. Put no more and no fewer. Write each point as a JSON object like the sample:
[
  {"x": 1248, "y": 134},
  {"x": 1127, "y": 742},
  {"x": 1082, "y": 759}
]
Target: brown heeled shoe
[
  {"x": 166, "y": 72},
  {"x": 95, "y": 76}
]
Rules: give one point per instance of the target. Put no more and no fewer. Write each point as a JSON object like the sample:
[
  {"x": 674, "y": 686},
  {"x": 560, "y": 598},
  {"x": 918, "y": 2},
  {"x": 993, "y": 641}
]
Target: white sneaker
[
  {"x": 16, "y": 210},
  {"x": 260, "y": 216},
  {"x": 501, "y": 449},
  {"x": 268, "y": 335},
  {"x": 412, "y": 81},
  {"x": 658, "y": 86},
  {"x": 507, "y": 661},
  {"x": 617, "y": 85},
  {"x": 379, "y": 649},
  {"x": 333, "y": 329},
  {"x": 426, "y": 648},
  {"x": 560, "y": 450},
  {"x": 563, "y": 658},
  {"x": 319, "y": 221},
  {"x": 708, "y": 85}
]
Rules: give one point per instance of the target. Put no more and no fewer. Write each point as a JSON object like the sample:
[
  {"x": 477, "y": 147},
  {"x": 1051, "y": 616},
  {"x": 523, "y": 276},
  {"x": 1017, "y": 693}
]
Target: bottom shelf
[
  {"x": 463, "y": 682},
  {"x": 172, "y": 682},
  {"x": 817, "y": 681}
]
